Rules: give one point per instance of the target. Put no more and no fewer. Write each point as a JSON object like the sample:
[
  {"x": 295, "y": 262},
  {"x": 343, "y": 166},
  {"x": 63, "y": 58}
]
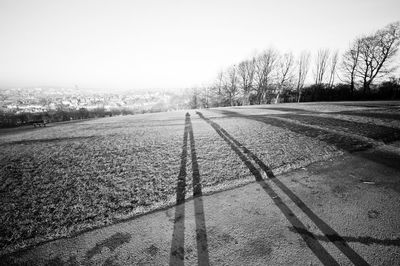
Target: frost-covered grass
[
  {"x": 68, "y": 177},
  {"x": 64, "y": 178},
  {"x": 277, "y": 147}
]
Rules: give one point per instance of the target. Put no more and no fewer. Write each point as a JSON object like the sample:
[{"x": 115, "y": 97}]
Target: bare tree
[
  {"x": 246, "y": 70},
  {"x": 194, "y": 98},
  {"x": 376, "y": 53},
  {"x": 321, "y": 64},
  {"x": 303, "y": 65},
  {"x": 349, "y": 64},
  {"x": 284, "y": 73},
  {"x": 332, "y": 68},
  {"x": 264, "y": 66},
  {"x": 204, "y": 96},
  {"x": 219, "y": 85},
  {"x": 216, "y": 90},
  {"x": 230, "y": 84}
]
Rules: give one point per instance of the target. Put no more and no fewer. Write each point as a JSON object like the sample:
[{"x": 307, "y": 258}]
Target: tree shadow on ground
[
  {"x": 47, "y": 140},
  {"x": 343, "y": 142},
  {"x": 287, "y": 109},
  {"x": 371, "y": 113},
  {"x": 376, "y": 132}
]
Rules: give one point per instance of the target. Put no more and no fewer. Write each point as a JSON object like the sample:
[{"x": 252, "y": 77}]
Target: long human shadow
[
  {"x": 245, "y": 155},
  {"x": 343, "y": 142},
  {"x": 201, "y": 232},
  {"x": 177, "y": 254},
  {"x": 178, "y": 237}
]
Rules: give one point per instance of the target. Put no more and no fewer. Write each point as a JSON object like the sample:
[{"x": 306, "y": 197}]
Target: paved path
[{"x": 340, "y": 212}]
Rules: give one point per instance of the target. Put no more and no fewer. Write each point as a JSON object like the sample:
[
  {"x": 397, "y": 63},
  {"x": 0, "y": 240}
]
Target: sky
[{"x": 166, "y": 44}]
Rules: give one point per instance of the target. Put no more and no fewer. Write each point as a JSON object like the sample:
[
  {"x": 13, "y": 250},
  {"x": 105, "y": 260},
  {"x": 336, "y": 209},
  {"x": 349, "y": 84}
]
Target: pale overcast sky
[{"x": 166, "y": 43}]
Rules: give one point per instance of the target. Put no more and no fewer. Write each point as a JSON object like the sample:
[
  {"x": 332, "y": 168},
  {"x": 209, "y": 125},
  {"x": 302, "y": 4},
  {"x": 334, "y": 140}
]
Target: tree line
[{"x": 361, "y": 72}]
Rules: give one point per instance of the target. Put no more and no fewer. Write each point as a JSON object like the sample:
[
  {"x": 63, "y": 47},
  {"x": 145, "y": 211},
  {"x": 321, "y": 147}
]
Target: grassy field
[{"x": 66, "y": 178}]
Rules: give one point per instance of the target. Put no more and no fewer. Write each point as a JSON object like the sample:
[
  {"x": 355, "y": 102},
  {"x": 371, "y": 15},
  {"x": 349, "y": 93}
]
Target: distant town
[
  {"x": 35, "y": 100},
  {"x": 22, "y": 105}
]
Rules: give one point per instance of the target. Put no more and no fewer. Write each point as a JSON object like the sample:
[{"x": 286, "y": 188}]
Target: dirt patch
[
  {"x": 152, "y": 250},
  {"x": 112, "y": 243},
  {"x": 259, "y": 247},
  {"x": 373, "y": 214}
]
